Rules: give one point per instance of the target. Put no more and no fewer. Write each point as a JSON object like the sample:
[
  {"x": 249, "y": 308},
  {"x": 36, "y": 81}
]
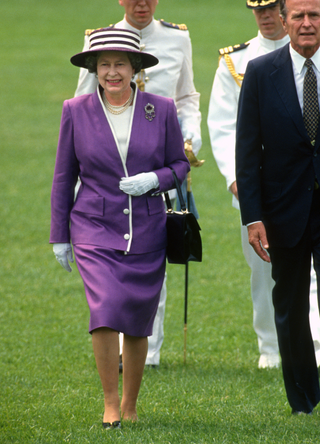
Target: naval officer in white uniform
[
  {"x": 222, "y": 128},
  {"x": 173, "y": 77}
]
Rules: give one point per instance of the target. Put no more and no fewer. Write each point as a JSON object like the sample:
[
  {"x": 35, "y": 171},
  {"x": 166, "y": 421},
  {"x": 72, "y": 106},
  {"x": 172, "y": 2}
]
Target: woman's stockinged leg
[
  {"x": 106, "y": 351},
  {"x": 134, "y": 357}
]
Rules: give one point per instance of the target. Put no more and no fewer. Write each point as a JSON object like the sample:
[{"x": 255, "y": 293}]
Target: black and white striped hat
[{"x": 114, "y": 39}]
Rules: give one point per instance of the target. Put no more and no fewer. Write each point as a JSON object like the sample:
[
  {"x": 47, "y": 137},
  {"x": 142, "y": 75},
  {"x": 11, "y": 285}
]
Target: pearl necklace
[{"x": 118, "y": 109}]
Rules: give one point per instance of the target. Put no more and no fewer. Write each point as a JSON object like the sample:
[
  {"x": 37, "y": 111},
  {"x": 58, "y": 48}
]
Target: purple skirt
[{"x": 122, "y": 291}]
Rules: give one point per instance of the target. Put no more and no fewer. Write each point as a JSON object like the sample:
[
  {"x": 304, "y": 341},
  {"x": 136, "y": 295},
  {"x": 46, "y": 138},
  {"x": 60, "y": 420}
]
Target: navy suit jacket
[{"x": 276, "y": 164}]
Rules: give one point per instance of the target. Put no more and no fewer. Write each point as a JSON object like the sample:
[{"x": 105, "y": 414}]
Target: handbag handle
[{"x": 179, "y": 192}]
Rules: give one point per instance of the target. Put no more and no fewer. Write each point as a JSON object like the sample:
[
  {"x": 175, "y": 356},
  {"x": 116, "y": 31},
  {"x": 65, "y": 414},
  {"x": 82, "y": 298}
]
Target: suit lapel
[
  {"x": 283, "y": 80},
  {"x": 135, "y": 129}
]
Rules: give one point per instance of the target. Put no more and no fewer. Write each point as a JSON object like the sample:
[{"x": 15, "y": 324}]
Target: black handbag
[{"x": 183, "y": 232}]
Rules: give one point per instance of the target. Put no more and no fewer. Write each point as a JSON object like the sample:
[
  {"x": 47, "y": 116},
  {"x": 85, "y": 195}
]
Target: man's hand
[
  {"x": 234, "y": 189},
  {"x": 258, "y": 240}
]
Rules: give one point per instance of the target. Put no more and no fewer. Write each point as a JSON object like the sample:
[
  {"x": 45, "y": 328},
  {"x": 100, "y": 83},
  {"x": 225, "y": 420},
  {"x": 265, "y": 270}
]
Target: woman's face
[{"x": 114, "y": 74}]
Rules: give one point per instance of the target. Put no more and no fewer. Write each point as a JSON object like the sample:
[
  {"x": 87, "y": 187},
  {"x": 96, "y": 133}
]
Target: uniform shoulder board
[
  {"x": 89, "y": 31},
  {"x": 182, "y": 27},
  {"x": 230, "y": 49}
]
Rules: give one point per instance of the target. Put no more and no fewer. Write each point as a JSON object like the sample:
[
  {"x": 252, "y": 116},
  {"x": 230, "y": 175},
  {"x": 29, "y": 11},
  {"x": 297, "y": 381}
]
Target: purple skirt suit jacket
[{"x": 102, "y": 214}]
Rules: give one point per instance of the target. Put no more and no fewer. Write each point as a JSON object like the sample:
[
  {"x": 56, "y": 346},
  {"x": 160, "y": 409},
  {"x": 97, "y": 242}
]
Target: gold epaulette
[
  {"x": 182, "y": 27},
  {"x": 89, "y": 31},
  {"x": 224, "y": 52},
  {"x": 229, "y": 49}
]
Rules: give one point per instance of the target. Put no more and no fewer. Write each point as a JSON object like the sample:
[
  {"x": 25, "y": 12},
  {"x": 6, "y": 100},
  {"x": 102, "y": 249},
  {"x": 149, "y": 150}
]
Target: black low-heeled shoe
[{"x": 112, "y": 425}]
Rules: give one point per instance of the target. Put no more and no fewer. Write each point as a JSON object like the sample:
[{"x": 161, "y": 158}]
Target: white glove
[
  {"x": 139, "y": 184},
  {"x": 63, "y": 253},
  {"x": 196, "y": 141}
]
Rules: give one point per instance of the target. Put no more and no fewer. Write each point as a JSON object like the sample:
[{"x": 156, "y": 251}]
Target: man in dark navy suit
[{"x": 278, "y": 176}]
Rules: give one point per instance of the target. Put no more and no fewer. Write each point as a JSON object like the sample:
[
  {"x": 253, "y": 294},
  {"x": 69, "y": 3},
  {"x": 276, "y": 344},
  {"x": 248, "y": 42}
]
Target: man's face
[
  {"x": 139, "y": 13},
  {"x": 303, "y": 25},
  {"x": 268, "y": 21}
]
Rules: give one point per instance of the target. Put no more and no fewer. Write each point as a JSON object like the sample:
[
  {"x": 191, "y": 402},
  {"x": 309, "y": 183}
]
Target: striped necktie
[{"x": 310, "y": 102}]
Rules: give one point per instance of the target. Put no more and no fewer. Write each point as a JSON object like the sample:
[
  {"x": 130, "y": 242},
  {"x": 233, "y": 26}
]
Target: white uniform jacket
[
  {"x": 172, "y": 77},
  {"x": 224, "y": 103}
]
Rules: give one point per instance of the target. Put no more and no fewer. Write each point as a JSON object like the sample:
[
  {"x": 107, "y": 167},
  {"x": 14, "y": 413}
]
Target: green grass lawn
[{"x": 49, "y": 387}]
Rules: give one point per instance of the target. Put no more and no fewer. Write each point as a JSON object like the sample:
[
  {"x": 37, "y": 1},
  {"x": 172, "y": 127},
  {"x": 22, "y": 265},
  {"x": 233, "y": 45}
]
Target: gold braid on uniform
[
  {"x": 254, "y": 4},
  {"x": 237, "y": 77},
  {"x": 224, "y": 52}
]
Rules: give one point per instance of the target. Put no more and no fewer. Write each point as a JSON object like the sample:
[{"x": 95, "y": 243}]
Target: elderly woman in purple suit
[{"x": 122, "y": 144}]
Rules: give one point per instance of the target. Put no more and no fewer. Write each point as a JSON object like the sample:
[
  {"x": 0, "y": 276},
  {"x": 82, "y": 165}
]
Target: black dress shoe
[
  {"x": 297, "y": 412},
  {"x": 120, "y": 364},
  {"x": 112, "y": 425}
]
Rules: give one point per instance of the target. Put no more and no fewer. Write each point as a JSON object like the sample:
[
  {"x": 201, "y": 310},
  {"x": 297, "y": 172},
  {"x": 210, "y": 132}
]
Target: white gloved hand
[
  {"x": 63, "y": 253},
  {"x": 139, "y": 184},
  {"x": 196, "y": 141}
]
